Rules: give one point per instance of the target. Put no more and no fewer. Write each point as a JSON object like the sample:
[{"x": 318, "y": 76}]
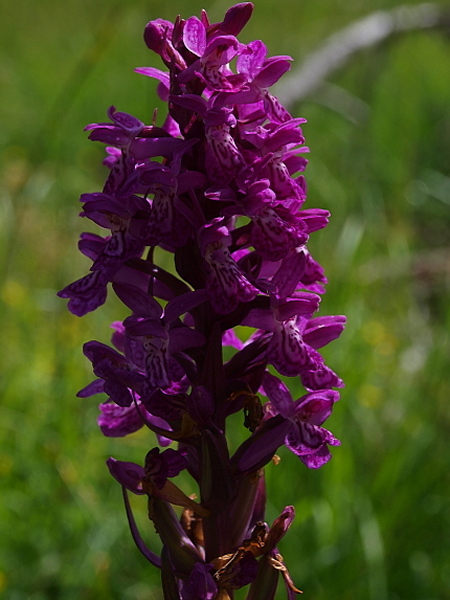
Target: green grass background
[{"x": 374, "y": 523}]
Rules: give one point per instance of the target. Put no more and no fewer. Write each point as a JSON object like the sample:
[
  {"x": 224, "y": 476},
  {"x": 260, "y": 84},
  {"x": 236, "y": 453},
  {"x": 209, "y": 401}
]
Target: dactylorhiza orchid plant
[{"x": 219, "y": 187}]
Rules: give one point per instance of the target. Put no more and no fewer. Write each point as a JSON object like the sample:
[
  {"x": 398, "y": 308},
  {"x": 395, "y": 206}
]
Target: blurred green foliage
[{"x": 372, "y": 524}]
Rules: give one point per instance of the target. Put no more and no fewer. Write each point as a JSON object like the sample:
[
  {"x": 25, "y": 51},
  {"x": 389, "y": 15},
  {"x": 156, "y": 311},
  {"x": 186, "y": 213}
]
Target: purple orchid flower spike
[{"x": 206, "y": 236}]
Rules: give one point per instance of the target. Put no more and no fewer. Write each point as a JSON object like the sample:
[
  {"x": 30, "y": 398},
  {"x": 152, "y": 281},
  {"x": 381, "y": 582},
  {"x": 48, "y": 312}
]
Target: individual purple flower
[
  {"x": 214, "y": 54},
  {"x": 226, "y": 284},
  {"x": 119, "y": 375},
  {"x": 154, "y": 336},
  {"x": 305, "y": 438},
  {"x": 292, "y": 348}
]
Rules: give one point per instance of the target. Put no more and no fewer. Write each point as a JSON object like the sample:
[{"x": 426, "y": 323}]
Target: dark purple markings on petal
[
  {"x": 167, "y": 224},
  {"x": 273, "y": 237},
  {"x": 315, "y": 460},
  {"x": 85, "y": 294},
  {"x": 321, "y": 377},
  {"x": 118, "y": 174},
  {"x": 227, "y": 286},
  {"x": 157, "y": 368},
  {"x": 115, "y": 246},
  {"x": 282, "y": 183},
  {"x": 162, "y": 221},
  {"x": 117, "y": 421},
  {"x": 276, "y": 109},
  {"x": 304, "y": 438},
  {"x": 218, "y": 82},
  {"x": 286, "y": 350},
  {"x": 223, "y": 159}
]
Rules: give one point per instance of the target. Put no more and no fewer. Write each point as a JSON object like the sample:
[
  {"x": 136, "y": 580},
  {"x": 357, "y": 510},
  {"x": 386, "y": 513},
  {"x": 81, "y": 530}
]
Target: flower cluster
[{"x": 219, "y": 187}]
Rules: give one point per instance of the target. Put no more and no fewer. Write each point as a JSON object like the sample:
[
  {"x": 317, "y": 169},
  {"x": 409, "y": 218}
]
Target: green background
[{"x": 373, "y": 524}]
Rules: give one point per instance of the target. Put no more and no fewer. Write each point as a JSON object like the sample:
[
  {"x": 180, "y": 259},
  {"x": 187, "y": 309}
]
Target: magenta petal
[
  {"x": 162, "y": 76},
  {"x": 127, "y": 474},
  {"x": 322, "y": 330},
  {"x": 119, "y": 421},
  {"x": 279, "y": 395},
  {"x": 273, "y": 70},
  {"x": 194, "y": 36},
  {"x": 236, "y": 18},
  {"x": 251, "y": 59},
  {"x": 316, "y": 459},
  {"x": 303, "y": 304},
  {"x": 316, "y": 407},
  {"x": 127, "y": 122}
]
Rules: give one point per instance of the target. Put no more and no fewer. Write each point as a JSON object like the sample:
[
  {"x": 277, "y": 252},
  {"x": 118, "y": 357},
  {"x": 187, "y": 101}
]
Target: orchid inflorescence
[{"x": 219, "y": 188}]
